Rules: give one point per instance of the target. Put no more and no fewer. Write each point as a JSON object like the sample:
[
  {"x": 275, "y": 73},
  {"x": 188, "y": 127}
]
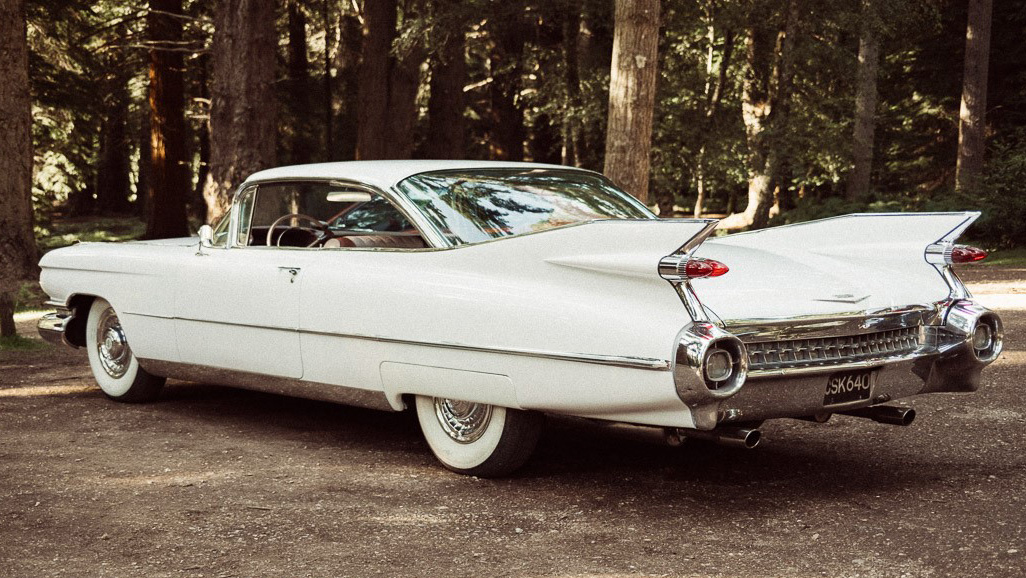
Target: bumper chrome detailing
[
  {"x": 269, "y": 384},
  {"x": 52, "y": 325},
  {"x": 855, "y": 322},
  {"x": 941, "y": 347},
  {"x": 949, "y": 357},
  {"x": 816, "y": 351},
  {"x": 695, "y": 387}
]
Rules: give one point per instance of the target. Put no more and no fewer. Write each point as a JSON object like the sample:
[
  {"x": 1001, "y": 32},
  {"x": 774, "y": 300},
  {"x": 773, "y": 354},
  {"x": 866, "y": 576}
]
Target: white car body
[{"x": 589, "y": 319}]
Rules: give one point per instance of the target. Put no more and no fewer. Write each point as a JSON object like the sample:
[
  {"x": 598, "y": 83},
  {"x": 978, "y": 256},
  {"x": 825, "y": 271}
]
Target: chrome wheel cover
[
  {"x": 112, "y": 346},
  {"x": 463, "y": 421}
]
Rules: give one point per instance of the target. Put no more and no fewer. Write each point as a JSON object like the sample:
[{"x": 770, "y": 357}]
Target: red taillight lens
[
  {"x": 967, "y": 254},
  {"x": 698, "y": 268}
]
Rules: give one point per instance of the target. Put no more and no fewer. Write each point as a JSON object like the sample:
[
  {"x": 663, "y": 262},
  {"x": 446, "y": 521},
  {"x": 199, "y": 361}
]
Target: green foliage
[
  {"x": 1000, "y": 197},
  {"x": 809, "y": 209},
  {"x": 70, "y": 231},
  {"x": 1007, "y": 258},
  {"x": 19, "y": 343},
  {"x": 81, "y": 51}
]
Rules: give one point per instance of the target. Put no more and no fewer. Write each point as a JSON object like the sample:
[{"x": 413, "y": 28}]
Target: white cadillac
[{"x": 486, "y": 294}]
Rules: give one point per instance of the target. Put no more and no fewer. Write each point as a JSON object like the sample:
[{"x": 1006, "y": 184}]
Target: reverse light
[
  {"x": 983, "y": 337},
  {"x": 719, "y": 365},
  {"x": 682, "y": 268}
]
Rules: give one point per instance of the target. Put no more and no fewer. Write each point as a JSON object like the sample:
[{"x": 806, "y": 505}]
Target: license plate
[{"x": 848, "y": 387}]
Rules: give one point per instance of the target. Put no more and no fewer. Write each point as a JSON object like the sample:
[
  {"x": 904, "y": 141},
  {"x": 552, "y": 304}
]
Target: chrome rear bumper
[{"x": 956, "y": 341}]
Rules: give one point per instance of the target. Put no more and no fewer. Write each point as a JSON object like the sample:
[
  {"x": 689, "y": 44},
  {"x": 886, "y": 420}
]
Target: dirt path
[{"x": 217, "y": 482}]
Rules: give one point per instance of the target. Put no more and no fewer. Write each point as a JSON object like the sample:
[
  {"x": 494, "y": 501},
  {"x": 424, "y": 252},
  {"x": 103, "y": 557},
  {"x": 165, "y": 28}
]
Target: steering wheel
[{"x": 320, "y": 227}]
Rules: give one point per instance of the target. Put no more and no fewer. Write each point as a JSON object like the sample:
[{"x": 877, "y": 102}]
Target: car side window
[
  {"x": 220, "y": 236},
  {"x": 322, "y": 215},
  {"x": 245, "y": 215}
]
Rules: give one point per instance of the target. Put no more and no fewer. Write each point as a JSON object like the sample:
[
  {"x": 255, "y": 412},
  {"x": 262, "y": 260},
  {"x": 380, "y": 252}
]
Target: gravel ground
[{"x": 216, "y": 482}]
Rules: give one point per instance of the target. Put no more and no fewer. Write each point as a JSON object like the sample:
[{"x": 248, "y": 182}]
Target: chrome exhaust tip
[
  {"x": 727, "y": 436},
  {"x": 888, "y": 414}
]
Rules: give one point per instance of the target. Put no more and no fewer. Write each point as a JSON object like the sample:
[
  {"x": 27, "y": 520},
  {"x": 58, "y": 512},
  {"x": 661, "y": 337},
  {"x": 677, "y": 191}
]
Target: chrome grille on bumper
[{"x": 826, "y": 351}]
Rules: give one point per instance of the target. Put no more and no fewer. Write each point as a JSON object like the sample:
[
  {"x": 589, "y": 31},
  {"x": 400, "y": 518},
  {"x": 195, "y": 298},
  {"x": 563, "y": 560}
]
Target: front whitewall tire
[{"x": 114, "y": 366}]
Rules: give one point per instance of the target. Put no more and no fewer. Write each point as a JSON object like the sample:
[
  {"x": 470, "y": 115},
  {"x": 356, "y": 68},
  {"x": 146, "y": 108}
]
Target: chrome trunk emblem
[{"x": 843, "y": 298}]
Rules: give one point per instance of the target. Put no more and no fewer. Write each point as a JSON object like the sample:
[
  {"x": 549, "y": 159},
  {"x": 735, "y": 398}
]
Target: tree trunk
[
  {"x": 572, "y": 79},
  {"x": 142, "y": 183},
  {"x": 713, "y": 96},
  {"x": 197, "y": 205},
  {"x": 507, "y": 134},
  {"x": 17, "y": 243},
  {"x": 243, "y": 116},
  {"x": 632, "y": 86},
  {"x": 403, "y": 82},
  {"x": 972, "y": 116},
  {"x": 112, "y": 178},
  {"x": 329, "y": 110},
  {"x": 865, "y": 104},
  {"x": 169, "y": 182},
  {"x": 301, "y": 130},
  {"x": 379, "y": 21},
  {"x": 446, "y": 127},
  {"x": 766, "y": 88},
  {"x": 346, "y": 91}
]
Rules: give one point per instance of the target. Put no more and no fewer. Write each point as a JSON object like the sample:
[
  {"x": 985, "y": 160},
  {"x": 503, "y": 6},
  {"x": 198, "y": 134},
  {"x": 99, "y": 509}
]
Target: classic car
[{"x": 483, "y": 295}]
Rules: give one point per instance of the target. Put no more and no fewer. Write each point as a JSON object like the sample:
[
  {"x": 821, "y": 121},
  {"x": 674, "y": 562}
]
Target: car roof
[{"x": 385, "y": 174}]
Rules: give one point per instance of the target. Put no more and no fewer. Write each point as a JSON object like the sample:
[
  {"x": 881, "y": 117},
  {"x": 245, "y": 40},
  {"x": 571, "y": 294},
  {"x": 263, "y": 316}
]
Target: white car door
[{"x": 238, "y": 309}]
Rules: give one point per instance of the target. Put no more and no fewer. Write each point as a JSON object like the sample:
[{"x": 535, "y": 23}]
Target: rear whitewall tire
[
  {"x": 114, "y": 366},
  {"x": 501, "y": 441}
]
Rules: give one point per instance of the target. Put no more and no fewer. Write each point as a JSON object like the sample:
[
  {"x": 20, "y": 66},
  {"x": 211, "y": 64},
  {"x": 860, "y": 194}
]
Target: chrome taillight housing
[
  {"x": 951, "y": 254},
  {"x": 683, "y": 268},
  {"x": 709, "y": 363}
]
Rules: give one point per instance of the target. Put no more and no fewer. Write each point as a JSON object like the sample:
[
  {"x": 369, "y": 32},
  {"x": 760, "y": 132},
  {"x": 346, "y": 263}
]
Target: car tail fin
[{"x": 624, "y": 247}]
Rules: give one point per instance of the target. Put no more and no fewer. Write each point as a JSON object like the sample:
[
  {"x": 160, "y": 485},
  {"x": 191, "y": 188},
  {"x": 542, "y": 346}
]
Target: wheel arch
[{"x": 74, "y": 331}]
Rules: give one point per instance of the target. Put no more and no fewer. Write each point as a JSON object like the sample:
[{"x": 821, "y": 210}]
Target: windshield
[{"x": 474, "y": 206}]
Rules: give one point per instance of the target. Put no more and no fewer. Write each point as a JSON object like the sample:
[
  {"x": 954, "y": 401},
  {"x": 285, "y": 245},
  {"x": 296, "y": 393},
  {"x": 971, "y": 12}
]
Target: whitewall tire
[
  {"x": 478, "y": 439},
  {"x": 114, "y": 366}
]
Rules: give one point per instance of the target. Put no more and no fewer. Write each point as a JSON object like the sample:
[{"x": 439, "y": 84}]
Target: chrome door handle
[{"x": 292, "y": 271}]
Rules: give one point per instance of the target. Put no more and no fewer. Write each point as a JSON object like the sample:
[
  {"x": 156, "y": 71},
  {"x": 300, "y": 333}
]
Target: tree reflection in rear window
[{"x": 474, "y": 206}]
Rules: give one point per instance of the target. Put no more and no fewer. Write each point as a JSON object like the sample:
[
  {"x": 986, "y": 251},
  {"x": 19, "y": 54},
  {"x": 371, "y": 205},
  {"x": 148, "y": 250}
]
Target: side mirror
[{"x": 206, "y": 235}]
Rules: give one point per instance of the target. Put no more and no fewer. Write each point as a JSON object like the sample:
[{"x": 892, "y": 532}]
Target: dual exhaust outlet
[{"x": 749, "y": 438}]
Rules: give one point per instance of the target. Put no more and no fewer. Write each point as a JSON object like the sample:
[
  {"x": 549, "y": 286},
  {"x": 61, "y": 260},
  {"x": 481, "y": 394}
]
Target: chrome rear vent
[{"x": 826, "y": 351}]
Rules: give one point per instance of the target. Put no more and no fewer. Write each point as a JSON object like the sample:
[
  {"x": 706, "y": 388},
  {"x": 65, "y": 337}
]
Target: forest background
[{"x": 140, "y": 118}]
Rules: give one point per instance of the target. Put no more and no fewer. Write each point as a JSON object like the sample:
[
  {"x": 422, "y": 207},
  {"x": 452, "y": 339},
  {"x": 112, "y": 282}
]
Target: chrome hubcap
[
  {"x": 463, "y": 421},
  {"x": 112, "y": 345}
]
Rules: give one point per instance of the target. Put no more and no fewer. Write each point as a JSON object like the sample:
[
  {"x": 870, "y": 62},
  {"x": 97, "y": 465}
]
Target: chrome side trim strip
[
  {"x": 645, "y": 363},
  {"x": 268, "y": 384}
]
